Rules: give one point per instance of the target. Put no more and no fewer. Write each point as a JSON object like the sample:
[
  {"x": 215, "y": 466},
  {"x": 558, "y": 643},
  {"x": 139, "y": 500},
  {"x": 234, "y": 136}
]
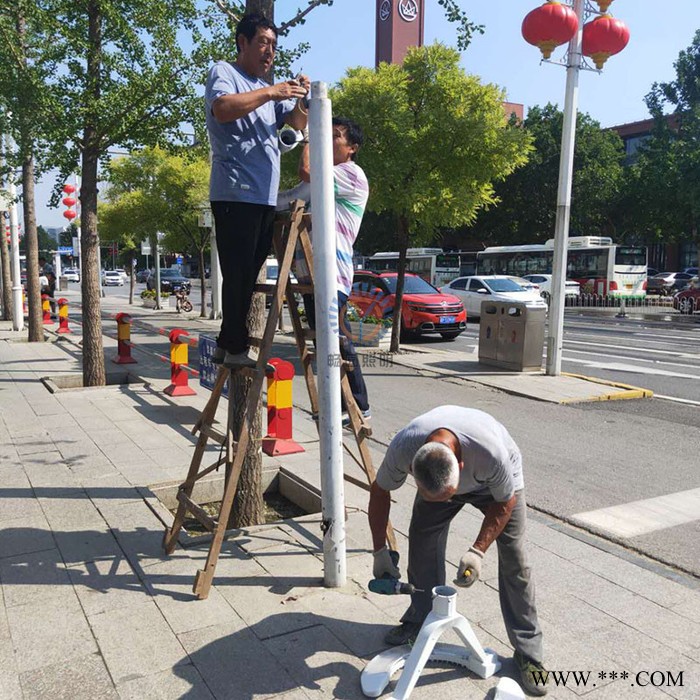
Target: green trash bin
[{"x": 511, "y": 336}]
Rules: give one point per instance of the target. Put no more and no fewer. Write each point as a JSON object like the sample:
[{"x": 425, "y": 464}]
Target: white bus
[
  {"x": 431, "y": 264},
  {"x": 600, "y": 266}
]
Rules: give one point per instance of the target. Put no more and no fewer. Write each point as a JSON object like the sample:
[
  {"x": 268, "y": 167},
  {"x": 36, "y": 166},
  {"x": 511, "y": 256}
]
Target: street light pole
[
  {"x": 17, "y": 310},
  {"x": 566, "y": 170}
]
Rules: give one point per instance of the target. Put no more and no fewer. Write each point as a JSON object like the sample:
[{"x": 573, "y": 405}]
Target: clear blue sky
[{"x": 343, "y": 36}]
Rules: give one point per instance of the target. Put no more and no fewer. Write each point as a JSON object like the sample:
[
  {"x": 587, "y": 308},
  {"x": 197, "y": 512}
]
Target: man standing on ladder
[
  {"x": 351, "y": 194},
  {"x": 243, "y": 115},
  {"x": 460, "y": 456}
]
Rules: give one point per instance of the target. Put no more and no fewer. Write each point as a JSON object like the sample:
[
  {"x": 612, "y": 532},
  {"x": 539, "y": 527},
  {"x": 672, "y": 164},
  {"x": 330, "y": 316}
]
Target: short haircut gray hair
[{"x": 435, "y": 467}]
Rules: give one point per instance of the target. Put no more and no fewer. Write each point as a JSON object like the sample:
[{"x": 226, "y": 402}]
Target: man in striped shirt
[{"x": 351, "y": 193}]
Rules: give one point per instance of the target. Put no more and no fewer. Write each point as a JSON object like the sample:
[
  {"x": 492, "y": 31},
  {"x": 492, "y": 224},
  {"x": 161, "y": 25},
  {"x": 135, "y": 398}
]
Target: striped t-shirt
[{"x": 351, "y": 193}]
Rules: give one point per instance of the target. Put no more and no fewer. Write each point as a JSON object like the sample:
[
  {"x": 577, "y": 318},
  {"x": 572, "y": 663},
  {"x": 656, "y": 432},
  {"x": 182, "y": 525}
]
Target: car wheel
[
  {"x": 450, "y": 335},
  {"x": 685, "y": 305},
  {"x": 408, "y": 335}
]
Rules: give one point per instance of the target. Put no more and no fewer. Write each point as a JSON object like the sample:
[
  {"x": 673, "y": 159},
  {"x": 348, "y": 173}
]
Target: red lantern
[
  {"x": 69, "y": 214},
  {"x": 69, "y": 189},
  {"x": 604, "y": 37},
  {"x": 549, "y": 26},
  {"x": 68, "y": 201}
]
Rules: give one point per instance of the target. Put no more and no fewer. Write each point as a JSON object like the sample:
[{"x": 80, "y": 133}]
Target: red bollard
[
  {"x": 46, "y": 308},
  {"x": 123, "y": 341},
  {"x": 278, "y": 440},
  {"x": 179, "y": 377},
  {"x": 63, "y": 316}
]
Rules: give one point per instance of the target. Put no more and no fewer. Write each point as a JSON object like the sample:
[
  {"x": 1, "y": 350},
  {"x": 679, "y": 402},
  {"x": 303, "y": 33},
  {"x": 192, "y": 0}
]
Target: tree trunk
[
  {"x": 248, "y": 505},
  {"x": 93, "y": 353},
  {"x": 203, "y": 282},
  {"x": 398, "y": 298},
  {"x": 35, "y": 322}
]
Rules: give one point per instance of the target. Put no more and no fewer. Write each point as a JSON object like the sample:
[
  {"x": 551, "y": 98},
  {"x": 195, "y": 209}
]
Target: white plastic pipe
[
  {"x": 17, "y": 310},
  {"x": 555, "y": 337},
  {"x": 327, "y": 342}
]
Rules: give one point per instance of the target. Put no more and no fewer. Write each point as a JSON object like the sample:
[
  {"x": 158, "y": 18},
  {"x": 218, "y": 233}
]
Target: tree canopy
[
  {"x": 526, "y": 202},
  {"x": 436, "y": 141},
  {"x": 663, "y": 193}
]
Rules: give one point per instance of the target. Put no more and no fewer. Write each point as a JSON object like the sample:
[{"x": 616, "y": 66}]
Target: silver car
[{"x": 473, "y": 290}]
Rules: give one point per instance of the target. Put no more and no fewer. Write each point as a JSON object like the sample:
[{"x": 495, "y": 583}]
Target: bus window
[{"x": 630, "y": 256}]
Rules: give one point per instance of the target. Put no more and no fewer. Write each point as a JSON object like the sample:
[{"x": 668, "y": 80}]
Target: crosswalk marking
[{"x": 641, "y": 517}]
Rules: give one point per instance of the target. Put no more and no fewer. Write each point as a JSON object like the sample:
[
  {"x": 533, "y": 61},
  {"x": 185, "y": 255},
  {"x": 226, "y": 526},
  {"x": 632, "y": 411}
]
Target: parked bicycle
[{"x": 182, "y": 301}]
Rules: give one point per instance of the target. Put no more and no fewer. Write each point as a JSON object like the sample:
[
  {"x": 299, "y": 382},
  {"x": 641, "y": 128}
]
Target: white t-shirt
[{"x": 492, "y": 460}]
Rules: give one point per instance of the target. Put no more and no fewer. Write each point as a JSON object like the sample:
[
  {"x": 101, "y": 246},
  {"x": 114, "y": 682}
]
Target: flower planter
[{"x": 369, "y": 335}]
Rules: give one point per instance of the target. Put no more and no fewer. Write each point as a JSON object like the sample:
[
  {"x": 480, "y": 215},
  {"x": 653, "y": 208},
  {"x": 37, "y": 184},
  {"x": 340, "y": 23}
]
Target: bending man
[{"x": 460, "y": 456}]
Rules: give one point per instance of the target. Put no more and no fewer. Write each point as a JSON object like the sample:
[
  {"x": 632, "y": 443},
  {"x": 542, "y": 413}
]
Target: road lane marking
[
  {"x": 624, "y": 367},
  {"x": 642, "y": 517},
  {"x": 673, "y": 353}
]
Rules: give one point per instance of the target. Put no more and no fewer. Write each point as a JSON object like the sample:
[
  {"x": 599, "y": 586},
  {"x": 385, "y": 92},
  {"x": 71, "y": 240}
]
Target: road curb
[{"x": 631, "y": 392}]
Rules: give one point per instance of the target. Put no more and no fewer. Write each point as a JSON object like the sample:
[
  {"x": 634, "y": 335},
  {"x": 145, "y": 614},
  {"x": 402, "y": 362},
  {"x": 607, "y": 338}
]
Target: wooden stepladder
[{"x": 291, "y": 231}]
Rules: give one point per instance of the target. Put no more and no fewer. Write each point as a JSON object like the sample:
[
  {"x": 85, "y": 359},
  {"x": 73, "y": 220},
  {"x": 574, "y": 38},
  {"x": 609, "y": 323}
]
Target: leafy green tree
[
  {"x": 526, "y": 201},
  {"x": 664, "y": 183},
  {"x": 436, "y": 141},
  {"x": 45, "y": 243},
  {"x": 156, "y": 191},
  {"x": 29, "y": 57},
  {"x": 125, "y": 80}
]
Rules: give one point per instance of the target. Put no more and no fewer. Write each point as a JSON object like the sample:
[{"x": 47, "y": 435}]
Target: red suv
[{"x": 424, "y": 310}]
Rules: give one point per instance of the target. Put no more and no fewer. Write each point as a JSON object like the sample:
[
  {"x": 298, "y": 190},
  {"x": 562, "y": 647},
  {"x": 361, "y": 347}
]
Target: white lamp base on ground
[{"x": 443, "y": 617}]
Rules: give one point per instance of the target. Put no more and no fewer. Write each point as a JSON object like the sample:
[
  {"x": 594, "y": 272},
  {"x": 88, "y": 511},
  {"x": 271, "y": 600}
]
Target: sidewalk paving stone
[
  {"x": 225, "y": 654},
  {"x": 84, "y": 678},
  {"x": 183, "y": 681},
  {"x": 50, "y": 632},
  {"x": 136, "y": 641}
]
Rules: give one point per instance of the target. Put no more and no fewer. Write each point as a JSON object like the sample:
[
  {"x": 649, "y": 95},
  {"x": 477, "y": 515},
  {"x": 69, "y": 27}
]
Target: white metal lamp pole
[
  {"x": 17, "y": 310},
  {"x": 328, "y": 344},
  {"x": 566, "y": 169}
]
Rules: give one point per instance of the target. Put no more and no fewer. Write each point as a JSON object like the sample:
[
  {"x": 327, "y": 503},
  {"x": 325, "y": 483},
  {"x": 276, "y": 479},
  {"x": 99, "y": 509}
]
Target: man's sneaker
[
  {"x": 533, "y": 676},
  {"x": 366, "y": 414},
  {"x": 219, "y": 354},
  {"x": 238, "y": 360},
  {"x": 405, "y": 633}
]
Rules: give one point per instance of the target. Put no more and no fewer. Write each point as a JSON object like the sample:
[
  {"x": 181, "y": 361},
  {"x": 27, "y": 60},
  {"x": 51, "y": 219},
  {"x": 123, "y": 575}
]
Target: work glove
[
  {"x": 385, "y": 564},
  {"x": 469, "y": 568}
]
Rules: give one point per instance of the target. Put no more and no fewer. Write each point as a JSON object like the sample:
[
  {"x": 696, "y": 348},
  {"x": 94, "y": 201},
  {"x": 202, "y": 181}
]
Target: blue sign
[
  {"x": 65, "y": 250},
  {"x": 207, "y": 369},
  {"x": 178, "y": 260}
]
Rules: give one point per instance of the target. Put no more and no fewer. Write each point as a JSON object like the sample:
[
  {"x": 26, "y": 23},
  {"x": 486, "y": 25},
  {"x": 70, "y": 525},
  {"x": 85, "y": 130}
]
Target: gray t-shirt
[
  {"x": 492, "y": 461},
  {"x": 245, "y": 152}
]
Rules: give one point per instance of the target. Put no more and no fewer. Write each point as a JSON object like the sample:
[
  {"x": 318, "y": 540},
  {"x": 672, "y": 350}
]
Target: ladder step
[
  {"x": 213, "y": 434},
  {"x": 197, "y": 511}
]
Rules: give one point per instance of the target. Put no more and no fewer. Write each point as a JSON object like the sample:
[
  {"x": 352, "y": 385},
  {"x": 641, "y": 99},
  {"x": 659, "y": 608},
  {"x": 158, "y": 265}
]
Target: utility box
[{"x": 511, "y": 336}]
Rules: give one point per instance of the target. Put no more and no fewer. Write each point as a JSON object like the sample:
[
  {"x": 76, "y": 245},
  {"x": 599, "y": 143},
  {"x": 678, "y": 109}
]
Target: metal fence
[{"x": 686, "y": 304}]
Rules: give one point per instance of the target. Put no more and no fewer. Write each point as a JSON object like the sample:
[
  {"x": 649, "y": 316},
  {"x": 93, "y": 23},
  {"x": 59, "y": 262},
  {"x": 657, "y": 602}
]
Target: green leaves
[{"x": 435, "y": 138}]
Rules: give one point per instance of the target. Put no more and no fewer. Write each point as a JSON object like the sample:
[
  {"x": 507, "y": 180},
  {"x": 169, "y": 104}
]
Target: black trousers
[
  {"x": 427, "y": 542},
  {"x": 243, "y": 237},
  {"x": 347, "y": 349}
]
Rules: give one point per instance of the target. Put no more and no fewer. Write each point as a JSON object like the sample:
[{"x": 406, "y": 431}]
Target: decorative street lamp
[{"x": 601, "y": 38}]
